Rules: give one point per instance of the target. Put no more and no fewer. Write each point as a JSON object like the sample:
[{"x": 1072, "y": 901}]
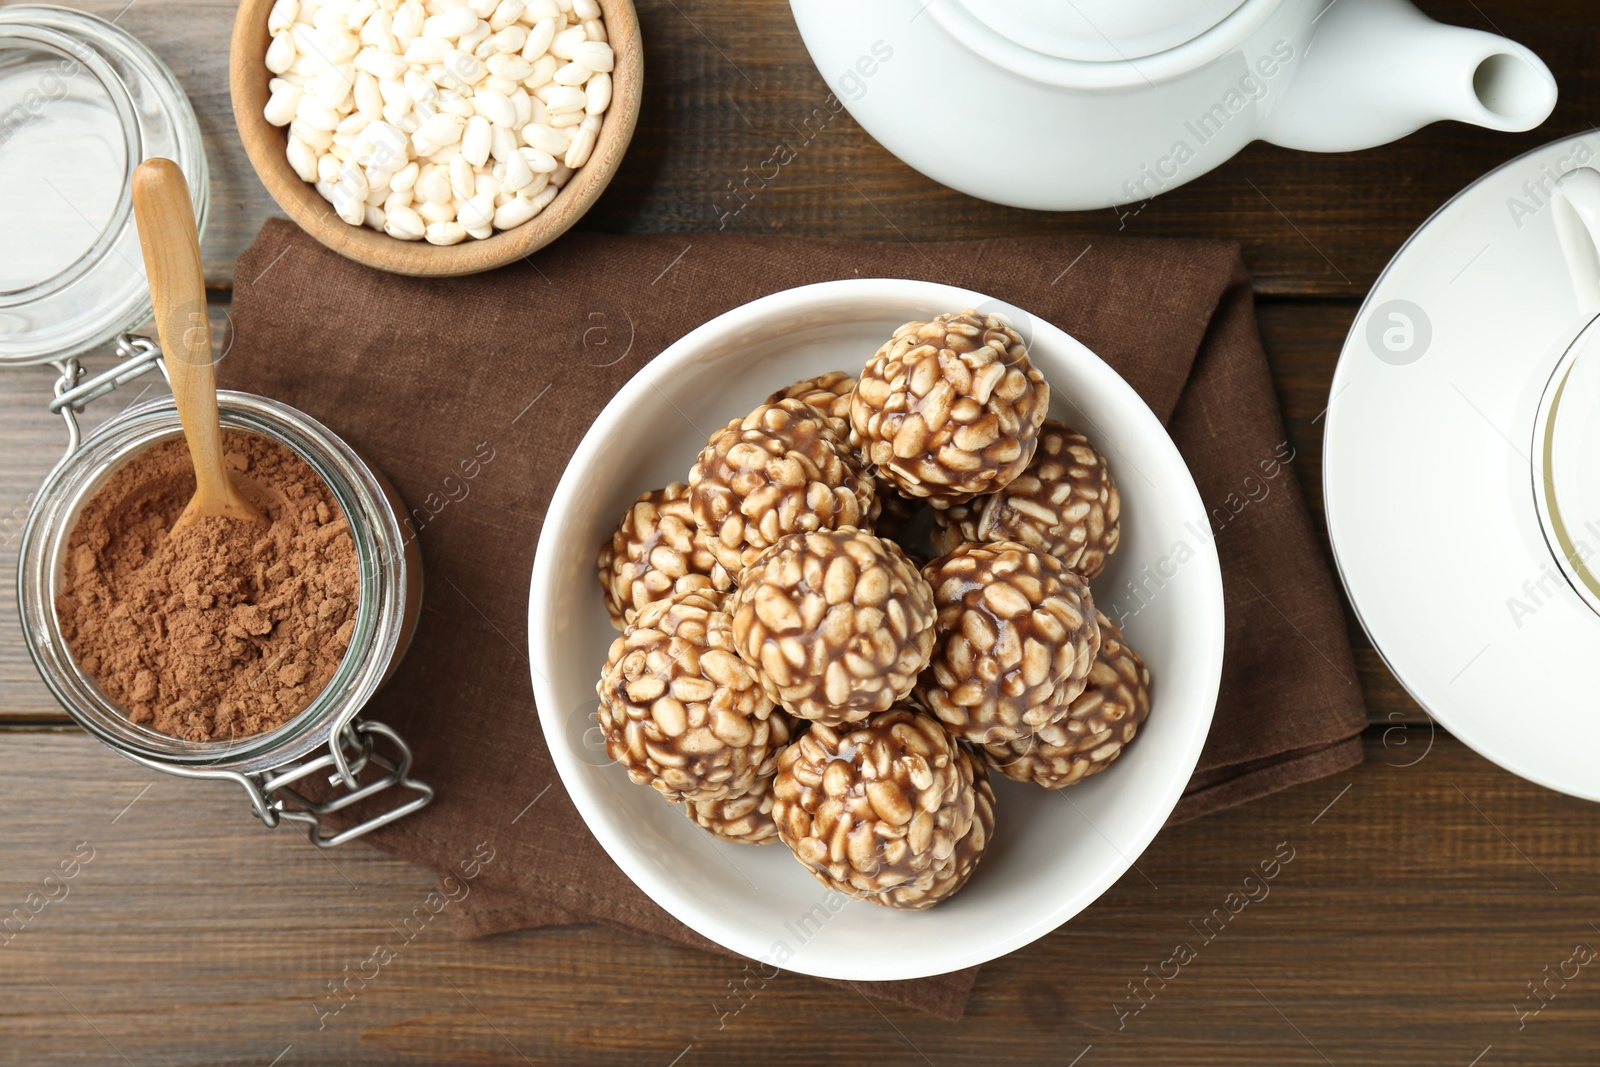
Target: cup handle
[{"x": 1577, "y": 218}]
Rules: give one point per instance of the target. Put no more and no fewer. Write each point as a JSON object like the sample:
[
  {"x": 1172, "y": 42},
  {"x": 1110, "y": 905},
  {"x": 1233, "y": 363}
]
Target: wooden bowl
[{"x": 266, "y": 145}]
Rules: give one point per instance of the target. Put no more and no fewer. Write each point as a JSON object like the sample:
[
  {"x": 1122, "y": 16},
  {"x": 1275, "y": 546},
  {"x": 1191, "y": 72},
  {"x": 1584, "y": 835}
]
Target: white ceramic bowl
[{"x": 1053, "y": 852}]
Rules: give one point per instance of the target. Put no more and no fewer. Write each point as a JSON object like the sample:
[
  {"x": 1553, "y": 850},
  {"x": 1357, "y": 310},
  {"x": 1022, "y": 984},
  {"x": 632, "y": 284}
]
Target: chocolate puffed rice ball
[
  {"x": 779, "y": 470},
  {"x": 742, "y": 820},
  {"x": 949, "y": 409},
  {"x": 746, "y": 819},
  {"x": 658, "y": 549},
  {"x": 1065, "y": 504},
  {"x": 953, "y": 875},
  {"x": 1100, "y": 722},
  {"x": 679, "y": 709},
  {"x": 884, "y": 811},
  {"x": 837, "y": 624},
  {"x": 829, "y": 392},
  {"x": 1017, "y": 637}
]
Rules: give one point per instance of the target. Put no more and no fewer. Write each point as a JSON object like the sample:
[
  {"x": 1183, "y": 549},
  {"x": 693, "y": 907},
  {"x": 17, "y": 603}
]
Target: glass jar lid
[{"x": 82, "y": 103}]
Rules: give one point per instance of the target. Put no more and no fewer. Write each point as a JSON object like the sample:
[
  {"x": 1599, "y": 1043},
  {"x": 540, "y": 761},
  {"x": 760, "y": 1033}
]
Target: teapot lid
[{"x": 1103, "y": 31}]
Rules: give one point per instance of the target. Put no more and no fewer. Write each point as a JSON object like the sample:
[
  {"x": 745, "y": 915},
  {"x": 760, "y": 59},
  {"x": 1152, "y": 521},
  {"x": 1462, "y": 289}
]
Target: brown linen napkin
[{"x": 504, "y": 372}]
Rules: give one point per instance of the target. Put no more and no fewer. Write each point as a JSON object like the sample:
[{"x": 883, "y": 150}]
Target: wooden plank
[
  {"x": 1417, "y": 905},
  {"x": 1309, "y": 224}
]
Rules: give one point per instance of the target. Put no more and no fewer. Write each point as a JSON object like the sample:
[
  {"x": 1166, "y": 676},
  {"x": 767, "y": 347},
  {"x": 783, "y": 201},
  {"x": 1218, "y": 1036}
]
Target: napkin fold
[{"x": 471, "y": 393}]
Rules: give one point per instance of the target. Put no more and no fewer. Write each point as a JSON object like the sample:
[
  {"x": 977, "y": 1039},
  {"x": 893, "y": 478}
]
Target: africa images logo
[
  {"x": 1399, "y": 332},
  {"x": 1538, "y": 192}
]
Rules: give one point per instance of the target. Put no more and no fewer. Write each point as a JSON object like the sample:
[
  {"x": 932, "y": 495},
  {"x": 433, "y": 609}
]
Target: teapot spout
[{"x": 1376, "y": 70}]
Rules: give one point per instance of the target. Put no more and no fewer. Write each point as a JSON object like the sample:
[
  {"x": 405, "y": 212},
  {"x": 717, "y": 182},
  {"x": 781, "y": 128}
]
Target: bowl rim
[
  {"x": 853, "y": 291},
  {"x": 264, "y": 144}
]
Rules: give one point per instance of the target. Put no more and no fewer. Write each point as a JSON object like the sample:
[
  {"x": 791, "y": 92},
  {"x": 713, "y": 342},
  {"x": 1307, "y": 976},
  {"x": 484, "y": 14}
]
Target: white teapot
[{"x": 1079, "y": 104}]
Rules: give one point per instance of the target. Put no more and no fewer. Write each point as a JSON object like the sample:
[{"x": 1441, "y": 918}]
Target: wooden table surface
[{"x": 1429, "y": 895}]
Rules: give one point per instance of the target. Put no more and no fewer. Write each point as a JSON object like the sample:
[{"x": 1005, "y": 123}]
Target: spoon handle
[{"x": 171, "y": 246}]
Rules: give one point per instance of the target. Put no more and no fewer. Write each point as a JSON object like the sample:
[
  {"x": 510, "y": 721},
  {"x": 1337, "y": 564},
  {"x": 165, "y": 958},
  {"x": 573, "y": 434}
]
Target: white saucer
[{"x": 1430, "y": 468}]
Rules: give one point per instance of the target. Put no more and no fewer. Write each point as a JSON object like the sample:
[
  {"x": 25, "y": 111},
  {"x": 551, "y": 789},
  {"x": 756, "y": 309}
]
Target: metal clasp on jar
[
  {"x": 136, "y": 355},
  {"x": 274, "y": 799}
]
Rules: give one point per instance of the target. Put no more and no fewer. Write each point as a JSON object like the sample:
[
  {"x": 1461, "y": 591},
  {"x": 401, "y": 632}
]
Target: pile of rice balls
[{"x": 794, "y": 666}]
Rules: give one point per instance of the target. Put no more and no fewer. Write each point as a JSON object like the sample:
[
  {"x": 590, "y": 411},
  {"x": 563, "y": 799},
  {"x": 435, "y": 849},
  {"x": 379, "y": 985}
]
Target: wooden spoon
[{"x": 171, "y": 246}]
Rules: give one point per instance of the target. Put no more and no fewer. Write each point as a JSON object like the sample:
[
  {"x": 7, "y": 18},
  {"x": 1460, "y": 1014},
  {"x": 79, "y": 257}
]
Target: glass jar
[
  {"x": 363, "y": 758},
  {"x": 82, "y": 103}
]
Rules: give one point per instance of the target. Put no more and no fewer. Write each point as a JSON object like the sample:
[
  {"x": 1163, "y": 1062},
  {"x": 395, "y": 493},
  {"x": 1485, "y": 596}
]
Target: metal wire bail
[
  {"x": 274, "y": 798},
  {"x": 135, "y": 356}
]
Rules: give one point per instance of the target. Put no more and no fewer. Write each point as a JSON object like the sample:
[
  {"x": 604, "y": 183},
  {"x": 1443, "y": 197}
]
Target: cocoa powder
[{"x": 222, "y": 629}]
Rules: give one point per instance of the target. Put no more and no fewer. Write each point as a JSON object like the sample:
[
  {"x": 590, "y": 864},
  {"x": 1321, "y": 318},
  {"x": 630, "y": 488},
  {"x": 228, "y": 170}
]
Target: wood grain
[
  {"x": 1428, "y": 888},
  {"x": 1416, "y": 907},
  {"x": 728, "y": 81}
]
